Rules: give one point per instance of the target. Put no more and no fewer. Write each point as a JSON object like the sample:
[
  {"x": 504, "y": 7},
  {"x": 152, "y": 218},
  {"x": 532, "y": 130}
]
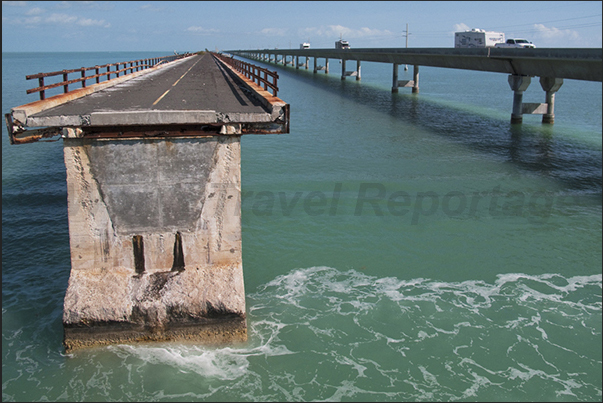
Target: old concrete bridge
[
  {"x": 153, "y": 181},
  {"x": 551, "y": 65},
  {"x": 153, "y": 175}
]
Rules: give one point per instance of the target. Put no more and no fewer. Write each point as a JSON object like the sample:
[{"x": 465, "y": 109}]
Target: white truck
[
  {"x": 341, "y": 44},
  {"x": 477, "y": 38},
  {"x": 516, "y": 43},
  {"x": 304, "y": 45}
]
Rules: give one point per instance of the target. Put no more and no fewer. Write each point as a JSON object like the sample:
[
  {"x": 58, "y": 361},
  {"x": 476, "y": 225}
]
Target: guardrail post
[
  {"x": 66, "y": 86},
  {"x": 97, "y": 73},
  {"x": 83, "y": 77},
  {"x": 42, "y": 93}
]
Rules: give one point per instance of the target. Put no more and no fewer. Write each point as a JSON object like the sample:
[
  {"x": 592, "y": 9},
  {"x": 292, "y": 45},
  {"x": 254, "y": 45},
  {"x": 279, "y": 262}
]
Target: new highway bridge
[{"x": 552, "y": 65}]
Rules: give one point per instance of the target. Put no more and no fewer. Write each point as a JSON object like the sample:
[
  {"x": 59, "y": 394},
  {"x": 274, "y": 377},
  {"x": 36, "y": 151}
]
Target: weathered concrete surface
[{"x": 155, "y": 239}]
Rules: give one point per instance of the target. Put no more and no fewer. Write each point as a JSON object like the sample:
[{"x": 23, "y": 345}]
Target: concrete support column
[
  {"x": 357, "y": 70},
  {"x": 284, "y": 60},
  {"x": 307, "y": 62},
  {"x": 315, "y": 71},
  {"x": 518, "y": 84},
  {"x": 155, "y": 240},
  {"x": 326, "y": 66},
  {"x": 395, "y": 78},
  {"x": 550, "y": 85},
  {"x": 297, "y": 62},
  {"x": 415, "y": 77},
  {"x": 343, "y": 69}
]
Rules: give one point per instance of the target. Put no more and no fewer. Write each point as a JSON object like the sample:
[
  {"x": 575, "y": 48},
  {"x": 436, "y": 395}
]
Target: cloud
[
  {"x": 334, "y": 31},
  {"x": 88, "y": 22},
  {"x": 14, "y": 3},
  {"x": 460, "y": 27},
  {"x": 202, "y": 31},
  {"x": 32, "y": 20},
  {"x": 274, "y": 31},
  {"x": 61, "y": 18},
  {"x": 553, "y": 33},
  {"x": 150, "y": 7},
  {"x": 35, "y": 11}
]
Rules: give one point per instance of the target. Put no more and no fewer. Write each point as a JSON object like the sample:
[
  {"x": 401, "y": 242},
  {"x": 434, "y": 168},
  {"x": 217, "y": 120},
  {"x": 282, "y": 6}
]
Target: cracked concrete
[{"x": 159, "y": 190}]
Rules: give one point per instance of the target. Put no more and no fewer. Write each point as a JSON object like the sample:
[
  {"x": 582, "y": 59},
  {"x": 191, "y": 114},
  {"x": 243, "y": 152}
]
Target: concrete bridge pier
[
  {"x": 415, "y": 78},
  {"x": 326, "y": 66},
  {"x": 297, "y": 62},
  {"x": 345, "y": 73},
  {"x": 395, "y": 78},
  {"x": 518, "y": 84},
  {"x": 155, "y": 239},
  {"x": 414, "y": 83},
  {"x": 550, "y": 85}
]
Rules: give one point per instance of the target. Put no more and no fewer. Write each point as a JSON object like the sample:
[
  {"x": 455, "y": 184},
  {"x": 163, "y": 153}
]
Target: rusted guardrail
[
  {"x": 135, "y": 65},
  {"x": 252, "y": 72}
]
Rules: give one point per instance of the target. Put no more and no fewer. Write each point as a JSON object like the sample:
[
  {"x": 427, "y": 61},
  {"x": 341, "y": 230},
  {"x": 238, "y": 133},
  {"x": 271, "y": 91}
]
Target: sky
[{"x": 190, "y": 26}]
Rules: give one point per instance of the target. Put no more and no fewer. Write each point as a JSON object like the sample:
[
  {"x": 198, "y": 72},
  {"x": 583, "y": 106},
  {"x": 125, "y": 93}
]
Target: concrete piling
[
  {"x": 155, "y": 238},
  {"x": 415, "y": 75},
  {"x": 518, "y": 85},
  {"x": 550, "y": 85}
]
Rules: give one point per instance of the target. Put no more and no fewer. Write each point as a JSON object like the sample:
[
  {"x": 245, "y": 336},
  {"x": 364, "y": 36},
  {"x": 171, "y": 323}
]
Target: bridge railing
[
  {"x": 134, "y": 65},
  {"x": 255, "y": 73}
]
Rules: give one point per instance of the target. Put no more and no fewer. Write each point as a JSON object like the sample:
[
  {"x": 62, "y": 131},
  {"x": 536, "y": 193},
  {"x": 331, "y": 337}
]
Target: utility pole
[{"x": 406, "y": 33}]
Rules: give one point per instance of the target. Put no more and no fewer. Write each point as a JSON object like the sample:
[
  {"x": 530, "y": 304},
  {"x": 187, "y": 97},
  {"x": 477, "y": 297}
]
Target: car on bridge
[{"x": 515, "y": 43}]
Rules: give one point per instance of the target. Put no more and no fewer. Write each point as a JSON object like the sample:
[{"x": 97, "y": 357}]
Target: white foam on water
[{"x": 347, "y": 335}]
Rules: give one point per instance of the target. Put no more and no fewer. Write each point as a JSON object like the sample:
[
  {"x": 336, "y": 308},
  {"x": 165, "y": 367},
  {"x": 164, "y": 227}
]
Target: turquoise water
[{"x": 395, "y": 247}]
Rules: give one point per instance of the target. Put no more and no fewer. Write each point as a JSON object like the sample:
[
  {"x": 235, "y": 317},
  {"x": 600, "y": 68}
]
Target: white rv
[
  {"x": 478, "y": 38},
  {"x": 340, "y": 44}
]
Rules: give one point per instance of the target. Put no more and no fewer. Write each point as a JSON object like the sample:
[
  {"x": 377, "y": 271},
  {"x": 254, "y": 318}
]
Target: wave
[{"x": 324, "y": 334}]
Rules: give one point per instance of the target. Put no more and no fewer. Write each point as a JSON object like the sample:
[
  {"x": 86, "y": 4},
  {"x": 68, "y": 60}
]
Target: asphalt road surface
[{"x": 195, "y": 83}]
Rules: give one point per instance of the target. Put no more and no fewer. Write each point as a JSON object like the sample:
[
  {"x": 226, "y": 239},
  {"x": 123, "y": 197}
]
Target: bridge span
[
  {"x": 552, "y": 65},
  {"x": 153, "y": 193}
]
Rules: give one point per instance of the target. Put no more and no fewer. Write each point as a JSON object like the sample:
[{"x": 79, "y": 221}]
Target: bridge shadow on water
[{"x": 542, "y": 150}]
